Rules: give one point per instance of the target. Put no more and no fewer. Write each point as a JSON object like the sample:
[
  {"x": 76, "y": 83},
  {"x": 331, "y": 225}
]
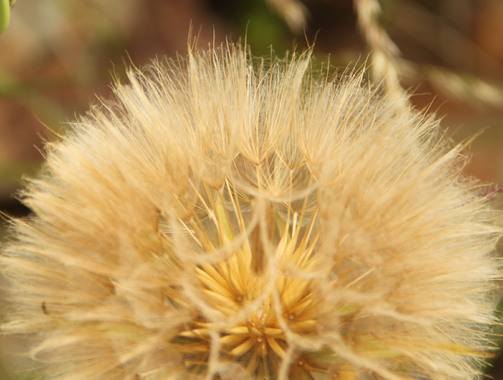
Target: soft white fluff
[{"x": 227, "y": 217}]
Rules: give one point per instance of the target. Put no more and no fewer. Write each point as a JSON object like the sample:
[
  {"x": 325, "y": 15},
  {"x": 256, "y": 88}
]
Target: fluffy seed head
[{"x": 230, "y": 218}]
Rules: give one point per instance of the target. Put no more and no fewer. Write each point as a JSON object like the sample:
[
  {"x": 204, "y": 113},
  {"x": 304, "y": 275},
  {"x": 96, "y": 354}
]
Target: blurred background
[{"x": 59, "y": 56}]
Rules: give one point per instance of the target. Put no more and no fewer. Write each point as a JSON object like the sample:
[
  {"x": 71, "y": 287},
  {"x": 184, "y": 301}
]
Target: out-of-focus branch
[
  {"x": 384, "y": 51},
  {"x": 293, "y": 12}
]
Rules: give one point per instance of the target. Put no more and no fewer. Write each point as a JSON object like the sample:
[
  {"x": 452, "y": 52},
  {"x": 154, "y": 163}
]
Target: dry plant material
[
  {"x": 466, "y": 87},
  {"x": 226, "y": 218},
  {"x": 294, "y": 12},
  {"x": 384, "y": 51}
]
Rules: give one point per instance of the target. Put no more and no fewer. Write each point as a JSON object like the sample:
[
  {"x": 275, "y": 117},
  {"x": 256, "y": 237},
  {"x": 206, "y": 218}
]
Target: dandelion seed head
[{"x": 226, "y": 217}]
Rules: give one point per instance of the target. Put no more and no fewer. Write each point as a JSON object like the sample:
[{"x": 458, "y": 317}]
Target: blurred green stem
[
  {"x": 4, "y": 14},
  {"x": 5, "y": 6}
]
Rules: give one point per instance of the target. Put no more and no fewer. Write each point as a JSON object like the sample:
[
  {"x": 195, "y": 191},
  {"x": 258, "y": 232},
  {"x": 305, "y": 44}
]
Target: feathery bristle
[{"x": 230, "y": 218}]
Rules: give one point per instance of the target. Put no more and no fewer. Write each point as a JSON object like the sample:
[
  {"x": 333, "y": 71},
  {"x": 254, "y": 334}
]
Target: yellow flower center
[{"x": 253, "y": 289}]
